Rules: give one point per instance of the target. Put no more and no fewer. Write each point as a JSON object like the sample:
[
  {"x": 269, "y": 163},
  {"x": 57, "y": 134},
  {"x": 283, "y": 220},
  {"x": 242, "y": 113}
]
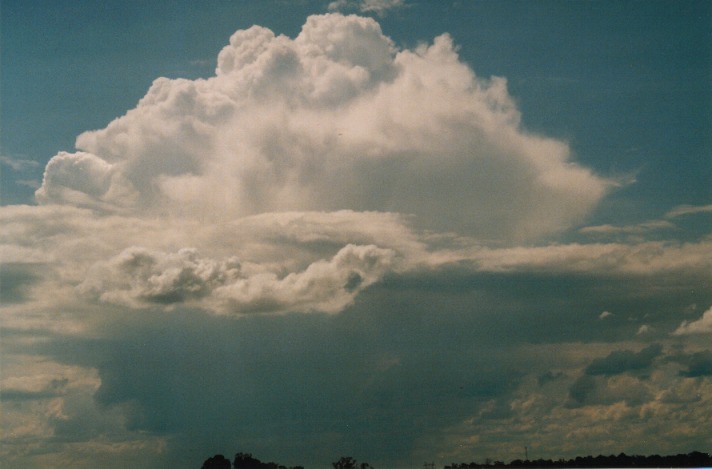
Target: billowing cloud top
[{"x": 337, "y": 118}]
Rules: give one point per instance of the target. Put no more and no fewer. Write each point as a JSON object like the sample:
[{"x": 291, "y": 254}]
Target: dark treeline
[
  {"x": 242, "y": 461},
  {"x": 694, "y": 459},
  {"x": 247, "y": 461}
]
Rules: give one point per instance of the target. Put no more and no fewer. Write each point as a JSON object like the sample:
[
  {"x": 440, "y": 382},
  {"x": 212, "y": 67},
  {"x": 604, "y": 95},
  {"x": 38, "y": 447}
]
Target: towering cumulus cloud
[
  {"x": 337, "y": 118},
  {"x": 338, "y": 246}
]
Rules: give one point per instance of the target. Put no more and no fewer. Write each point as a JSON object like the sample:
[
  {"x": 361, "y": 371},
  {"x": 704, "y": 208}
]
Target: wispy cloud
[
  {"x": 31, "y": 183},
  {"x": 18, "y": 164},
  {"x": 637, "y": 229},
  {"x": 683, "y": 210},
  {"x": 379, "y": 7},
  {"x": 651, "y": 228}
]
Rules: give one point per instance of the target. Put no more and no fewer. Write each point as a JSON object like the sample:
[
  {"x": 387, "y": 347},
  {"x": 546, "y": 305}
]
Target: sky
[{"x": 402, "y": 231}]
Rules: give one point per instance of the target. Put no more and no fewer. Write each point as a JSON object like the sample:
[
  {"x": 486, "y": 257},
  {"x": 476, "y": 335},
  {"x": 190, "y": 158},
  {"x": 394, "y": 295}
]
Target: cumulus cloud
[
  {"x": 336, "y": 118},
  {"x": 326, "y": 286},
  {"x": 268, "y": 263},
  {"x": 700, "y": 326},
  {"x": 329, "y": 173},
  {"x": 81, "y": 179},
  {"x": 141, "y": 277},
  {"x": 612, "y": 378}
]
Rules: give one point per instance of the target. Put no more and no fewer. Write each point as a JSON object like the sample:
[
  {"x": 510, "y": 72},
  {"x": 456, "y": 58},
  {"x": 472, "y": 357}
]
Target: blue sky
[{"x": 402, "y": 231}]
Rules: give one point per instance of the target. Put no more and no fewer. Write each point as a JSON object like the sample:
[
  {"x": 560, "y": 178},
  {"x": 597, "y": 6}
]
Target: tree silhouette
[
  {"x": 216, "y": 462},
  {"x": 350, "y": 463},
  {"x": 694, "y": 459},
  {"x": 247, "y": 461}
]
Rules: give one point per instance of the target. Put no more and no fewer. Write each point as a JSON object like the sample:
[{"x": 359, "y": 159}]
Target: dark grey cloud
[
  {"x": 621, "y": 361},
  {"x": 598, "y": 390},
  {"x": 582, "y": 388},
  {"x": 373, "y": 380},
  {"x": 622, "y": 376},
  {"x": 550, "y": 307},
  {"x": 417, "y": 355},
  {"x": 698, "y": 364},
  {"x": 550, "y": 377}
]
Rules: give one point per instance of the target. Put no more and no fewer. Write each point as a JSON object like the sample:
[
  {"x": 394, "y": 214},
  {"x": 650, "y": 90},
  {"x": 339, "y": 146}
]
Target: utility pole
[{"x": 526, "y": 453}]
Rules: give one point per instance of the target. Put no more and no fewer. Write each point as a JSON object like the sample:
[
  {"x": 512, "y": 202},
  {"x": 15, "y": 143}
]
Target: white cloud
[
  {"x": 326, "y": 285},
  {"x": 700, "y": 326},
  {"x": 140, "y": 277},
  {"x": 336, "y": 118},
  {"x": 84, "y": 180},
  {"x": 287, "y": 261}
]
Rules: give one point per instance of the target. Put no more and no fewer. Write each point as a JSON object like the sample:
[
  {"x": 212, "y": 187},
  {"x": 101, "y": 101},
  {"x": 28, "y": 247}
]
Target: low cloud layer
[
  {"x": 280, "y": 262},
  {"x": 140, "y": 277}
]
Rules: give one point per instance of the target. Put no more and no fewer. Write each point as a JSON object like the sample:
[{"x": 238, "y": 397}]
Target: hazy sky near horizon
[{"x": 400, "y": 230}]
